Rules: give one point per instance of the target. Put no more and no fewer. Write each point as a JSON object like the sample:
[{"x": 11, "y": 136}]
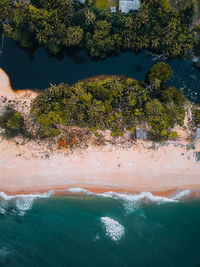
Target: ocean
[{"x": 99, "y": 230}]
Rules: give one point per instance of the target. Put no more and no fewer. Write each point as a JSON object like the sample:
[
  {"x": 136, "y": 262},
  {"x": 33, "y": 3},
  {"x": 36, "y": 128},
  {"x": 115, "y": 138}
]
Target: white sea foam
[
  {"x": 37, "y": 195},
  {"x": 2, "y": 211},
  {"x": 182, "y": 194},
  {"x": 4, "y": 252},
  {"x": 132, "y": 202},
  {"x": 113, "y": 229},
  {"x": 78, "y": 190},
  {"x": 96, "y": 238},
  {"x": 139, "y": 197},
  {"x": 128, "y": 197},
  {"x": 22, "y": 202}
]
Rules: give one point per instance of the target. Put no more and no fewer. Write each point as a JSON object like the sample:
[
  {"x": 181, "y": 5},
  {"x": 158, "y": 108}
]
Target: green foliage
[
  {"x": 157, "y": 118},
  {"x": 173, "y": 135},
  {"x": 6, "y": 9},
  {"x": 73, "y": 36},
  {"x": 13, "y": 123},
  {"x": 160, "y": 71},
  {"x": 115, "y": 104},
  {"x": 48, "y": 131},
  {"x": 102, "y": 42},
  {"x": 59, "y": 23},
  {"x": 106, "y": 4},
  {"x": 196, "y": 116}
]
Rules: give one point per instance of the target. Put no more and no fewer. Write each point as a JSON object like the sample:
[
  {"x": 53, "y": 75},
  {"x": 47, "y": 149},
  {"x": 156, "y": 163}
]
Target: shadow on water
[{"x": 37, "y": 69}]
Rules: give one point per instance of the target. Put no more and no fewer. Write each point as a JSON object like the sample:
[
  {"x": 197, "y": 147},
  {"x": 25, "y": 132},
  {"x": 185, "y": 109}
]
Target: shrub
[
  {"x": 13, "y": 122},
  {"x": 173, "y": 135}
]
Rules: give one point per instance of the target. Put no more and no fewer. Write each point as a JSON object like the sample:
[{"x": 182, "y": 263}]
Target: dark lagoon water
[
  {"x": 99, "y": 231},
  {"x": 37, "y": 71}
]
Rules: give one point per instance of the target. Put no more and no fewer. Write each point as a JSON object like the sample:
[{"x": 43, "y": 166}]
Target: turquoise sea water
[{"x": 101, "y": 231}]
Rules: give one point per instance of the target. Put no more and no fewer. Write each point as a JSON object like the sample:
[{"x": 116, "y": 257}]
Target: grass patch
[{"x": 106, "y": 4}]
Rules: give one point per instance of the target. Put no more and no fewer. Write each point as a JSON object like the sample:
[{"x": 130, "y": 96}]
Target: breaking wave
[
  {"x": 113, "y": 229},
  {"x": 182, "y": 194},
  {"x": 131, "y": 202},
  {"x": 143, "y": 196},
  {"x": 19, "y": 204}
]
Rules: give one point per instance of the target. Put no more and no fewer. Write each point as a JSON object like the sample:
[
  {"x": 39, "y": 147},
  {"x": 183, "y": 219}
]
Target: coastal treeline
[
  {"x": 117, "y": 104},
  {"x": 58, "y": 25}
]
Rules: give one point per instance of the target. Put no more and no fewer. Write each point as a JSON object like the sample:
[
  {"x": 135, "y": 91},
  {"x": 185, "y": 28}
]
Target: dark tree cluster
[
  {"x": 12, "y": 122},
  {"x": 60, "y": 24},
  {"x": 116, "y": 104},
  {"x": 196, "y": 116}
]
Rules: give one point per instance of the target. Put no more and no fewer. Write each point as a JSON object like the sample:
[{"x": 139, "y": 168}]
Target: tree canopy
[
  {"x": 115, "y": 103},
  {"x": 59, "y": 24},
  {"x": 13, "y": 122}
]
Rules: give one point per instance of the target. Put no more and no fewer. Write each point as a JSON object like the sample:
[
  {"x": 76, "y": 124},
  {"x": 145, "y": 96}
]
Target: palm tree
[{"x": 41, "y": 37}]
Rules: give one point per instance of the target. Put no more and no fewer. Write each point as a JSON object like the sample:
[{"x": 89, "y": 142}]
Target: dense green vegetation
[
  {"x": 196, "y": 116},
  {"x": 60, "y": 24},
  {"x": 13, "y": 122},
  {"x": 115, "y": 104}
]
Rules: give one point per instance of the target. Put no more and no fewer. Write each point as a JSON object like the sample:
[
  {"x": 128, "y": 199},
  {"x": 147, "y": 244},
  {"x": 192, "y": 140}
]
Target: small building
[
  {"x": 113, "y": 9},
  {"x": 198, "y": 156},
  {"x": 127, "y": 5},
  {"x": 198, "y": 133},
  {"x": 141, "y": 134},
  {"x": 80, "y": 1}
]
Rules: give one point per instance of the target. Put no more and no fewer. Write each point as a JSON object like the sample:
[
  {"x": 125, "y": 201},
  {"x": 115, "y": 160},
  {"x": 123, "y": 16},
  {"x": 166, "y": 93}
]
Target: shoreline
[
  {"x": 171, "y": 195},
  {"x": 92, "y": 191},
  {"x": 24, "y": 167},
  {"x": 100, "y": 170}
]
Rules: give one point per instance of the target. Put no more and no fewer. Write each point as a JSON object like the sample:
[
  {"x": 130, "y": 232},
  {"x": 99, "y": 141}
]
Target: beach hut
[
  {"x": 127, "y": 5},
  {"x": 198, "y": 156},
  {"x": 141, "y": 134},
  {"x": 198, "y": 133}
]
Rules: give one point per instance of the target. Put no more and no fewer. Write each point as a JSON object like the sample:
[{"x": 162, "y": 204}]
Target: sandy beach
[{"x": 141, "y": 167}]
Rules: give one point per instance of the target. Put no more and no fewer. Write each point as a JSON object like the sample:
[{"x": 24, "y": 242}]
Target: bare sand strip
[{"x": 98, "y": 169}]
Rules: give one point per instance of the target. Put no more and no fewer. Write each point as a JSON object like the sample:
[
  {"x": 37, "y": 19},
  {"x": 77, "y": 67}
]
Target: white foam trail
[
  {"x": 2, "y": 211},
  {"x": 113, "y": 229},
  {"x": 37, "y": 195},
  {"x": 79, "y": 190},
  {"x": 182, "y": 194},
  {"x": 23, "y": 202},
  {"x": 138, "y": 197},
  {"x": 3, "y": 207},
  {"x": 128, "y": 197}
]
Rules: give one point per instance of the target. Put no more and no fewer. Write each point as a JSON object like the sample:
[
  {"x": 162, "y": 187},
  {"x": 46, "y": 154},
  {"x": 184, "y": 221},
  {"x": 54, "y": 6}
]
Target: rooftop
[
  {"x": 198, "y": 156},
  {"x": 126, "y": 5},
  {"x": 141, "y": 134},
  {"x": 198, "y": 132}
]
